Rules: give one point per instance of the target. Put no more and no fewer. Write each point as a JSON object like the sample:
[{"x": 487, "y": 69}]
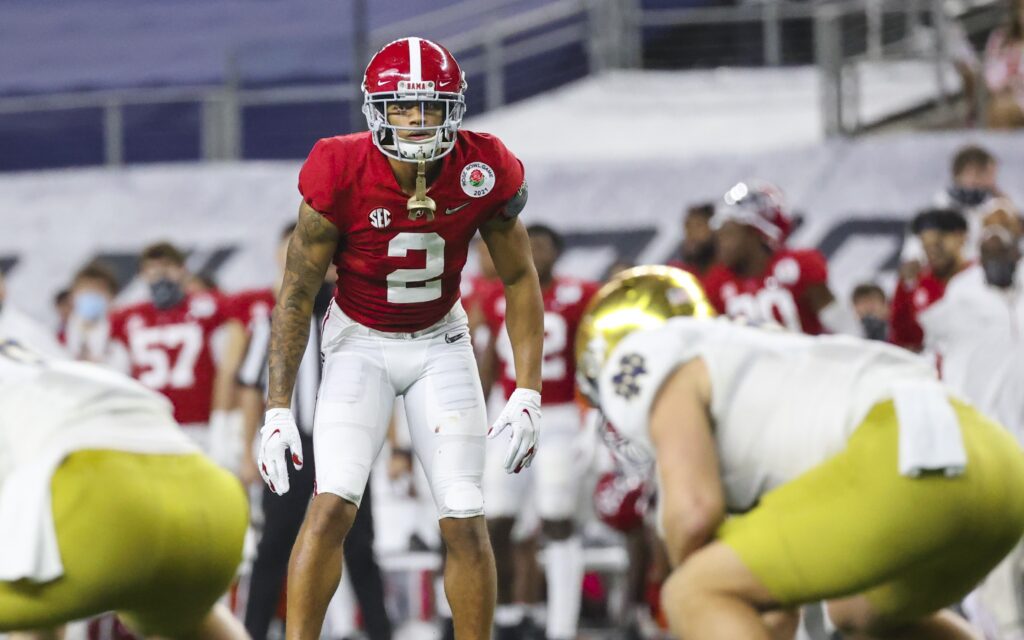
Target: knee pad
[{"x": 463, "y": 499}]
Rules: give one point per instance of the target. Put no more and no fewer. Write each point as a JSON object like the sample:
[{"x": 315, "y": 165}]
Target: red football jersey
[
  {"x": 477, "y": 290},
  {"x": 397, "y": 273},
  {"x": 170, "y": 349},
  {"x": 776, "y": 295},
  {"x": 909, "y": 299},
  {"x": 564, "y": 302},
  {"x": 252, "y": 304}
]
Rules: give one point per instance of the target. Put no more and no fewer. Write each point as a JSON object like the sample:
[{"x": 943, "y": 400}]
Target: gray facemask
[
  {"x": 875, "y": 328},
  {"x": 999, "y": 272},
  {"x": 166, "y": 293}
]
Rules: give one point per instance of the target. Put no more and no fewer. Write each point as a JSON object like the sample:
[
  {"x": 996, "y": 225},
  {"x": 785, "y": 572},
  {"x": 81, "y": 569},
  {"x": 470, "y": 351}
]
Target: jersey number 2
[{"x": 399, "y": 291}]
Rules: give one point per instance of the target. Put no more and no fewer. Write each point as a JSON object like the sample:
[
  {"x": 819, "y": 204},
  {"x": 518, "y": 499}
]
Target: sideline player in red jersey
[
  {"x": 395, "y": 208},
  {"x": 697, "y": 250},
  {"x": 168, "y": 341},
  {"x": 476, "y": 290},
  {"x": 942, "y": 234},
  {"x": 758, "y": 278},
  {"x": 555, "y": 485}
]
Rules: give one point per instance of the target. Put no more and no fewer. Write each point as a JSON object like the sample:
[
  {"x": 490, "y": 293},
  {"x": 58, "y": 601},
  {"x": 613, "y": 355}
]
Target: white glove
[
  {"x": 522, "y": 413},
  {"x": 278, "y": 434}
]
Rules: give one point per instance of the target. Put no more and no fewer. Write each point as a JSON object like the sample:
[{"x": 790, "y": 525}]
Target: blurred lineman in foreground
[
  {"x": 852, "y": 474},
  {"x": 106, "y": 505}
]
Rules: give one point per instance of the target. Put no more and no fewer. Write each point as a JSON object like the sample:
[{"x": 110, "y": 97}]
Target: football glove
[
  {"x": 522, "y": 414},
  {"x": 279, "y": 433}
]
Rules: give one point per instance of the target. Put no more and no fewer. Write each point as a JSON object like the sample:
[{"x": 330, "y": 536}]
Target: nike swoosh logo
[
  {"x": 450, "y": 210},
  {"x": 455, "y": 338}
]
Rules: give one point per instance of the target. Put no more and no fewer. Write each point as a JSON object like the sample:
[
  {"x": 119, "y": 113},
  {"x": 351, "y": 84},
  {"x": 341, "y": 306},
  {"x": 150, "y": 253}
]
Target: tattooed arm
[{"x": 310, "y": 252}]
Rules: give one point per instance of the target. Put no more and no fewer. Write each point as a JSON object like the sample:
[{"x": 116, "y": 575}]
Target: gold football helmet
[{"x": 638, "y": 298}]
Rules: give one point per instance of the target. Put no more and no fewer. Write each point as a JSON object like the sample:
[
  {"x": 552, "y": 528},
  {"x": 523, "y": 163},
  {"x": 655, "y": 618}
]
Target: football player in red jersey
[
  {"x": 395, "y": 208},
  {"x": 697, "y": 250},
  {"x": 476, "y": 290},
  {"x": 168, "y": 344},
  {"x": 942, "y": 233},
  {"x": 555, "y": 485},
  {"x": 759, "y": 278}
]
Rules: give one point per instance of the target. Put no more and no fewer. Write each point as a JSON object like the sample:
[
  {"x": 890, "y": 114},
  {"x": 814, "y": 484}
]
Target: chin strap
[{"x": 420, "y": 202}]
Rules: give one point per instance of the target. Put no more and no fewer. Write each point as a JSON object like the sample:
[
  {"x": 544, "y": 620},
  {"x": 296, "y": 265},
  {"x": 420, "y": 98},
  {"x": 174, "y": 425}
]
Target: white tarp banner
[{"x": 855, "y": 195}]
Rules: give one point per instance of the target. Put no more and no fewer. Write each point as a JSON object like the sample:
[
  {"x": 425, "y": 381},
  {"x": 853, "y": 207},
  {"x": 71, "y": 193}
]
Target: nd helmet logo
[{"x": 380, "y": 218}]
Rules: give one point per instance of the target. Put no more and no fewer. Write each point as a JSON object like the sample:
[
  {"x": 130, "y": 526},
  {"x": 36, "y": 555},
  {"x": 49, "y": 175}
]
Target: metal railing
[
  {"x": 844, "y": 34},
  {"x": 222, "y": 106},
  {"x": 610, "y": 32}
]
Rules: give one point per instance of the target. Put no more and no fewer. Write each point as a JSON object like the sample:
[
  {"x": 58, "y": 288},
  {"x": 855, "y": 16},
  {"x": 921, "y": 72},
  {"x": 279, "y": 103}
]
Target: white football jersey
[
  {"x": 50, "y": 408},
  {"x": 978, "y": 332},
  {"x": 781, "y": 402},
  {"x": 48, "y": 404}
]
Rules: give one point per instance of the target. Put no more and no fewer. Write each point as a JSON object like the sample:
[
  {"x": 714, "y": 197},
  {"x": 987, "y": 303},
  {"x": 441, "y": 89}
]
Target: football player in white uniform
[
  {"x": 853, "y": 475},
  {"x": 105, "y": 504}
]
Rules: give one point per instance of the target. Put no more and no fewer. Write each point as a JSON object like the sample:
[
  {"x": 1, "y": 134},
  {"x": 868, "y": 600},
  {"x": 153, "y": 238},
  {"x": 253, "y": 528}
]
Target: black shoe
[
  {"x": 447, "y": 629},
  {"x": 530, "y": 630},
  {"x": 508, "y": 633}
]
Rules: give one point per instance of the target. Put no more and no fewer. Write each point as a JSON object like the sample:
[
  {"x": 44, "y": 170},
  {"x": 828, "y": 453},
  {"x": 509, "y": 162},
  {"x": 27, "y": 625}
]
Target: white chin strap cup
[{"x": 418, "y": 150}]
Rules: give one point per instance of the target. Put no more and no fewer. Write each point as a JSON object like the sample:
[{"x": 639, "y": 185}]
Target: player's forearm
[
  {"x": 309, "y": 253},
  {"x": 525, "y": 323},
  {"x": 250, "y": 401},
  {"x": 224, "y": 386},
  {"x": 289, "y": 334}
]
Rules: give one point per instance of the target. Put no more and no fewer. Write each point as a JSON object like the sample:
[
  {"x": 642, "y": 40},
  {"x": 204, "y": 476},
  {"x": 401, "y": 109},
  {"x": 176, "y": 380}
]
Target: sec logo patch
[
  {"x": 380, "y": 218},
  {"x": 477, "y": 179}
]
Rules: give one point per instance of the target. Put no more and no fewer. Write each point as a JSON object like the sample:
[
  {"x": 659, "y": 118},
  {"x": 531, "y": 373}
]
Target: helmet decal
[{"x": 414, "y": 73}]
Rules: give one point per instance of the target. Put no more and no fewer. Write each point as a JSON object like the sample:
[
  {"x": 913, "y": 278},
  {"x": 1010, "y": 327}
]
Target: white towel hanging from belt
[{"x": 930, "y": 438}]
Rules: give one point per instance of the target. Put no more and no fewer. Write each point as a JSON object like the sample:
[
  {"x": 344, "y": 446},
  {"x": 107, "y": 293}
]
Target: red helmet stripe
[{"x": 415, "y": 61}]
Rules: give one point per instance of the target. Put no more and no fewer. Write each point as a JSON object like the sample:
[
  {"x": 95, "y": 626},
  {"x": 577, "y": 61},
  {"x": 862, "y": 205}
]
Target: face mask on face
[
  {"x": 967, "y": 197},
  {"x": 874, "y": 327},
  {"x": 166, "y": 293},
  {"x": 999, "y": 272},
  {"x": 90, "y": 305}
]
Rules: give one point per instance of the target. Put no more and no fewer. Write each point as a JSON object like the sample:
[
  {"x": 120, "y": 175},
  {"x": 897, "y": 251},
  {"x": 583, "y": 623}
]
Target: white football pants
[{"x": 434, "y": 370}]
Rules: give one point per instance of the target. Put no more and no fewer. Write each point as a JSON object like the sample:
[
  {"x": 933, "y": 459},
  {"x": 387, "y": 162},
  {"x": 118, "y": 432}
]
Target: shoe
[
  {"x": 508, "y": 633},
  {"x": 530, "y": 630},
  {"x": 447, "y": 629}
]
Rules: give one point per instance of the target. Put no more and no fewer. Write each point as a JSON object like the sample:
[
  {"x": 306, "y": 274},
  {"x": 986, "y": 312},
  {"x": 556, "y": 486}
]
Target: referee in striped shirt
[{"x": 283, "y": 515}]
